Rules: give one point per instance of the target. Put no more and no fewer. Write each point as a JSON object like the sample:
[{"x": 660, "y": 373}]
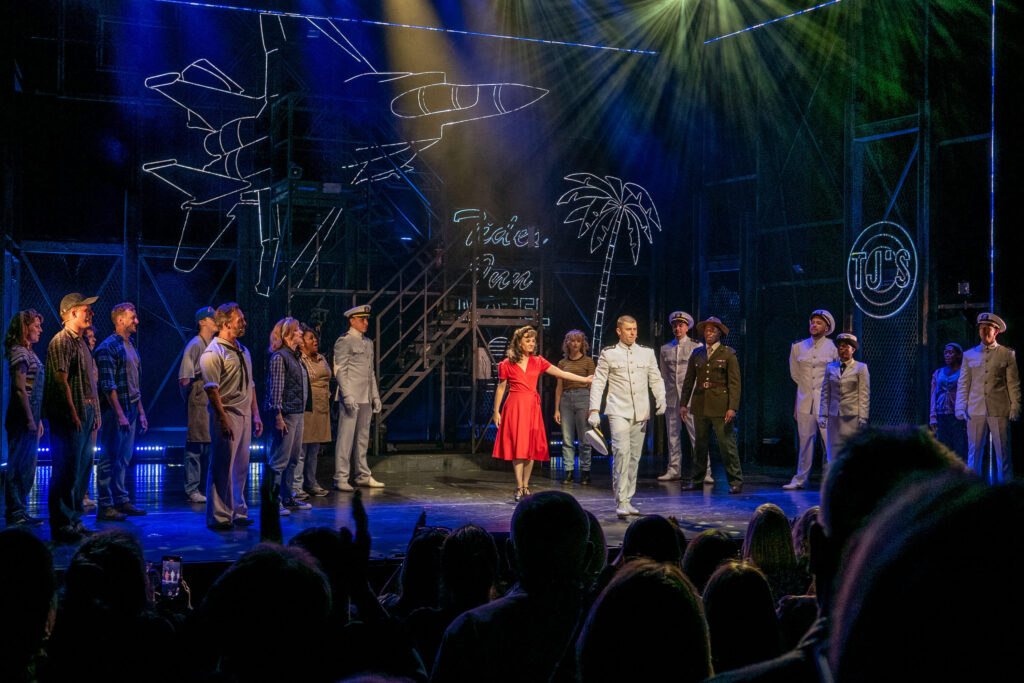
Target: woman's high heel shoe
[{"x": 519, "y": 495}]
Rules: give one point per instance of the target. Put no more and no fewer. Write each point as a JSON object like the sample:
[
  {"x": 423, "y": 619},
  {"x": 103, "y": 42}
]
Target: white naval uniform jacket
[
  {"x": 989, "y": 384},
  {"x": 807, "y": 361},
  {"x": 672, "y": 360},
  {"x": 847, "y": 394},
  {"x": 353, "y": 368},
  {"x": 627, "y": 371}
]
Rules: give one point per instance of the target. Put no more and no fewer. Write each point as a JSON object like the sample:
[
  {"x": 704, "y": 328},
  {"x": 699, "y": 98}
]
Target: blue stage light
[
  {"x": 772, "y": 21},
  {"x": 254, "y": 10}
]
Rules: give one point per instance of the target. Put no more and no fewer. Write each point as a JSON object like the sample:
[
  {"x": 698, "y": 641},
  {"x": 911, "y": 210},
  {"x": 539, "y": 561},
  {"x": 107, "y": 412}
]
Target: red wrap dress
[{"x": 522, "y": 435}]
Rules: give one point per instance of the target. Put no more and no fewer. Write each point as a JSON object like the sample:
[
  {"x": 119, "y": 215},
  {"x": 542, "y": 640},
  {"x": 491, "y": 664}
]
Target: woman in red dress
[{"x": 521, "y": 434}]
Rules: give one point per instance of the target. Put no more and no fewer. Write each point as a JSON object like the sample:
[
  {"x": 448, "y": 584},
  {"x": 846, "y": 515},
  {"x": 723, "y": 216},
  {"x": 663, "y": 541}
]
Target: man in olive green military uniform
[{"x": 713, "y": 376}]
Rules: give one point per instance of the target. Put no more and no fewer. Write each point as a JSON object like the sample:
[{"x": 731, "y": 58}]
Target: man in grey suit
[
  {"x": 357, "y": 391},
  {"x": 988, "y": 397},
  {"x": 673, "y": 359}
]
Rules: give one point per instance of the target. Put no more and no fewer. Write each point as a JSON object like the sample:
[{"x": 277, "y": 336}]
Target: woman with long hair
[
  {"x": 769, "y": 546},
  {"x": 288, "y": 398},
  {"x": 572, "y": 403},
  {"x": 24, "y": 427},
  {"x": 521, "y": 435}
]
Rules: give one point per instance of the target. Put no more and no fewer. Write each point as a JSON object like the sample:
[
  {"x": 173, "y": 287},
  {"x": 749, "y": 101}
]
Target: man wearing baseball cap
[
  {"x": 71, "y": 405},
  {"x": 357, "y": 391},
  {"x": 988, "y": 397},
  {"x": 807, "y": 361},
  {"x": 190, "y": 386}
]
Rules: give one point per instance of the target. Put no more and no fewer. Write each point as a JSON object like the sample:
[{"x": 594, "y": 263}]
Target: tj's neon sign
[{"x": 881, "y": 271}]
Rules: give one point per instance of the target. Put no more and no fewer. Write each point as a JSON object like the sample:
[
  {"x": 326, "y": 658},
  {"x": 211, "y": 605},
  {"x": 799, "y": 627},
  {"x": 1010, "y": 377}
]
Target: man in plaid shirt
[
  {"x": 118, "y": 363},
  {"x": 70, "y": 405}
]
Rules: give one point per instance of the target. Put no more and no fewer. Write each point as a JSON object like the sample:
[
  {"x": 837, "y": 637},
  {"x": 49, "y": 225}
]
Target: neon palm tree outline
[{"x": 602, "y": 204}]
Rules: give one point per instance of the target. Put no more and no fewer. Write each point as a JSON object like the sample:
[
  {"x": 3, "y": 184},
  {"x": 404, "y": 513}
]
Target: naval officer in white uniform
[
  {"x": 988, "y": 397},
  {"x": 628, "y": 370},
  {"x": 807, "y": 361},
  {"x": 672, "y": 361},
  {"x": 357, "y": 391},
  {"x": 845, "y": 397}
]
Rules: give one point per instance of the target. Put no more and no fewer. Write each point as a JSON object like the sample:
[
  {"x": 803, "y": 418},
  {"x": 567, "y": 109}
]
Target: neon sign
[
  {"x": 491, "y": 234},
  {"x": 881, "y": 271}
]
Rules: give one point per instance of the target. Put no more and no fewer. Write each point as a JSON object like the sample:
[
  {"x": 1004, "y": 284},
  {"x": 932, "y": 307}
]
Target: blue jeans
[
  {"x": 574, "y": 406},
  {"x": 284, "y": 453},
  {"x": 195, "y": 453},
  {"x": 112, "y": 465},
  {"x": 71, "y": 453},
  {"x": 21, "y": 470},
  {"x": 305, "y": 469}
]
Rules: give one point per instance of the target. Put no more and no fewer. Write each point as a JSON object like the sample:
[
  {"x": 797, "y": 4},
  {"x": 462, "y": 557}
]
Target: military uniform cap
[
  {"x": 680, "y": 315},
  {"x": 847, "y": 338},
  {"x": 827, "y": 317},
  {"x": 358, "y": 311},
  {"x": 712, "y": 320},
  {"x": 992, "y": 319},
  {"x": 73, "y": 300}
]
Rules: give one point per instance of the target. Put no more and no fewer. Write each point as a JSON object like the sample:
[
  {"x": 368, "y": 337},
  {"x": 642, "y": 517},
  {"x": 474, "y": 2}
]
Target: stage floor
[{"x": 454, "y": 489}]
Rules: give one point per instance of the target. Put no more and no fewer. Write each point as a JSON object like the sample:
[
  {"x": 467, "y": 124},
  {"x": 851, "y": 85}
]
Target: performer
[
  {"x": 713, "y": 377},
  {"x": 71, "y": 405},
  {"x": 942, "y": 417},
  {"x": 571, "y": 402},
  {"x": 845, "y": 397},
  {"x": 190, "y": 385},
  {"x": 988, "y": 396},
  {"x": 807, "y": 361},
  {"x": 316, "y": 422},
  {"x": 234, "y": 413},
  {"x": 288, "y": 399},
  {"x": 119, "y": 366},
  {"x": 521, "y": 436},
  {"x": 357, "y": 391},
  {"x": 628, "y": 370},
  {"x": 88, "y": 504},
  {"x": 24, "y": 421},
  {"x": 673, "y": 359}
]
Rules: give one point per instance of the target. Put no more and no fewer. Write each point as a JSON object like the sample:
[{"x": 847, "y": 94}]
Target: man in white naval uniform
[
  {"x": 357, "y": 391},
  {"x": 988, "y": 397},
  {"x": 672, "y": 361},
  {"x": 845, "y": 397},
  {"x": 627, "y": 370},
  {"x": 807, "y": 361}
]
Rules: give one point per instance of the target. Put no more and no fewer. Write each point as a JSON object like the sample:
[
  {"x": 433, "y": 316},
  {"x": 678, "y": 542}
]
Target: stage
[{"x": 453, "y": 488}]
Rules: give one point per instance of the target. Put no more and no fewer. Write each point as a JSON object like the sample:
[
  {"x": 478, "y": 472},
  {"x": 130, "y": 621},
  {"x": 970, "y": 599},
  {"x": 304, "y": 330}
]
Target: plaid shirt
[
  {"x": 68, "y": 353},
  {"x": 112, "y": 363},
  {"x": 279, "y": 376}
]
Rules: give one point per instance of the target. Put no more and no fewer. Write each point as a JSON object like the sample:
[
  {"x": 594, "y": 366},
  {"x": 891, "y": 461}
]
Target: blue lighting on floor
[
  {"x": 237, "y": 8},
  {"x": 772, "y": 21}
]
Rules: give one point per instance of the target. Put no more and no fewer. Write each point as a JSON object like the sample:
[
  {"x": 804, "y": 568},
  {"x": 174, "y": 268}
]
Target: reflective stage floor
[{"x": 454, "y": 489}]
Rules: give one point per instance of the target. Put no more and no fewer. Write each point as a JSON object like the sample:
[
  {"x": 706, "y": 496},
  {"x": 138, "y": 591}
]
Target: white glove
[
  {"x": 350, "y": 405},
  {"x": 376, "y": 406},
  {"x": 659, "y": 409},
  {"x": 594, "y": 419}
]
